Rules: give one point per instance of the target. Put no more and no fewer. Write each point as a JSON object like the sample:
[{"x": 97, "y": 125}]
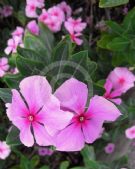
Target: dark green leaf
[{"x": 5, "y": 95}]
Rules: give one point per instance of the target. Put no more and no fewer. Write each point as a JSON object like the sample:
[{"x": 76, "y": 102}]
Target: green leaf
[
  {"x": 13, "y": 137},
  {"x": 118, "y": 44},
  {"x": 111, "y": 3},
  {"x": 78, "y": 168},
  {"x": 44, "y": 167},
  {"x": 13, "y": 81},
  {"x": 116, "y": 28},
  {"x": 35, "y": 161},
  {"x": 28, "y": 67},
  {"x": 89, "y": 157},
  {"x": 35, "y": 43},
  {"x": 105, "y": 39},
  {"x": 64, "y": 165},
  {"x": 47, "y": 38},
  {"x": 5, "y": 95},
  {"x": 25, "y": 163},
  {"x": 32, "y": 55}
]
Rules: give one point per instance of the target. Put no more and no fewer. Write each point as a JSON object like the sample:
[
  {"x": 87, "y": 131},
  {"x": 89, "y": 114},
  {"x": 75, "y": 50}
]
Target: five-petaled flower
[
  {"x": 35, "y": 111},
  {"x": 86, "y": 125}
]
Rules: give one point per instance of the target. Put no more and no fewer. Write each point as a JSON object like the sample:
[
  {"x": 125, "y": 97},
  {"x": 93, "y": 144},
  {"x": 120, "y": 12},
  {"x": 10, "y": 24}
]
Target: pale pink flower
[
  {"x": 130, "y": 132},
  {"x": 4, "y": 150},
  {"x": 3, "y": 66},
  {"x": 122, "y": 79},
  {"x": 38, "y": 3},
  {"x": 86, "y": 125},
  {"x": 30, "y": 10},
  {"x": 111, "y": 94},
  {"x": 65, "y": 8},
  {"x": 57, "y": 13},
  {"x": 44, "y": 17},
  {"x": 7, "y": 10},
  {"x": 38, "y": 111},
  {"x": 53, "y": 24},
  {"x": 18, "y": 31},
  {"x": 110, "y": 147},
  {"x": 75, "y": 37},
  {"x": 75, "y": 25},
  {"x": 45, "y": 151},
  {"x": 33, "y": 27},
  {"x": 12, "y": 45}
]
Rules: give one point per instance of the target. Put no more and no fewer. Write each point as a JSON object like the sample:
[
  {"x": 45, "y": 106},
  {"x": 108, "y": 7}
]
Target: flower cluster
[
  {"x": 119, "y": 81},
  {"x": 15, "y": 41},
  {"x": 60, "y": 119},
  {"x": 75, "y": 28}
]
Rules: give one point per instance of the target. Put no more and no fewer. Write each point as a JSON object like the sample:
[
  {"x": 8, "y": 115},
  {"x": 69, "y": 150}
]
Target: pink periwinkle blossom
[
  {"x": 7, "y": 10},
  {"x": 76, "y": 38},
  {"x": 31, "y": 7},
  {"x": 86, "y": 125},
  {"x": 4, "y": 66},
  {"x": 38, "y": 111},
  {"x": 109, "y": 148},
  {"x": 4, "y": 150},
  {"x": 53, "y": 18},
  {"x": 42, "y": 151},
  {"x": 18, "y": 32},
  {"x": 12, "y": 45},
  {"x": 130, "y": 133},
  {"x": 121, "y": 79},
  {"x": 112, "y": 95},
  {"x": 75, "y": 25},
  {"x": 33, "y": 27},
  {"x": 65, "y": 8}
]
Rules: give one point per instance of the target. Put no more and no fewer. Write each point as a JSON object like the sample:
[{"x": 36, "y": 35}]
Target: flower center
[
  {"x": 121, "y": 80},
  {"x": 81, "y": 118},
  {"x": 1, "y": 150},
  {"x": 31, "y": 118}
]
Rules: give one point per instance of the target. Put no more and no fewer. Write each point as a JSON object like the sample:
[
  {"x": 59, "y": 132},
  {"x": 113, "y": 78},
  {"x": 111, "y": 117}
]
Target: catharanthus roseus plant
[{"x": 67, "y": 84}]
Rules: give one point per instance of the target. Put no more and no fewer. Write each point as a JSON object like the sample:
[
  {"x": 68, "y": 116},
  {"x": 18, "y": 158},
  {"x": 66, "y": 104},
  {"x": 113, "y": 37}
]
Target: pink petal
[
  {"x": 92, "y": 129},
  {"x": 70, "y": 139},
  {"x": 108, "y": 86},
  {"x": 41, "y": 136},
  {"x": 72, "y": 95},
  {"x": 26, "y": 136},
  {"x": 17, "y": 108},
  {"x": 52, "y": 117},
  {"x": 117, "y": 101},
  {"x": 36, "y": 90},
  {"x": 8, "y": 50},
  {"x": 101, "y": 107}
]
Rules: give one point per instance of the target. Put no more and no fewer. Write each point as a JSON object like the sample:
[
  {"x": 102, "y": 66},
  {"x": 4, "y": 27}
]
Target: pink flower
[
  {"x": 110, "y": 148},
  {"x": 3, "y": 66},
  {"x": 57, "y": 13},
  {"x": 75, "y": 37},
  {"x": 53, "y": 24},
  {"x": 75, "y": 25},
  {"x": 44, "y": 16},
  {"x": 4, "y": 150},
  {"x": 30, "y": 10},
  {"x": 122, "y": 79},
  {"x": 86, "y": 125},
  {"x": 45, "y": 151},
  {"x": 7, "y": 10},
  {"x": 37, "y": 113},
  {"x": 38, "y": 3},
  {"x": 65, "y": 8},
  {"x": 18, "y": 32},
  {"x": 13, "y": 44},
  {"x": 33, "y": 27},
  {"x": 111, "y": 94},
  {"x": 130, "y": 132}
]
